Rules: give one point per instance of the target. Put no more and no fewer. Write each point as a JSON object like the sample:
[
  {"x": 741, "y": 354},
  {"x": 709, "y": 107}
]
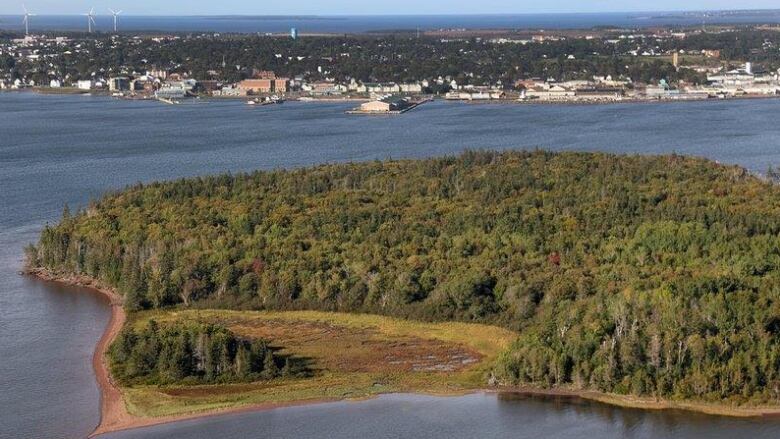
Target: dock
[{"x": 387, "y": 106}]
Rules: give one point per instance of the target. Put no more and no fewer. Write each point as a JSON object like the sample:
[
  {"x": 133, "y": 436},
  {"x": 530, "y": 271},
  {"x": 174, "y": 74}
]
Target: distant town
[{"x": 395, "y": 71}]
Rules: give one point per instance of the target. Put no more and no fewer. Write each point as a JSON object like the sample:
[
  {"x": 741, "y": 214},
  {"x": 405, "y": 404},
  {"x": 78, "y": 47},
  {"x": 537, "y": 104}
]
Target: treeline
[
  {"x": 365, "y": 58},
  {"x": 748, "y": 44},
  {"x": 193, "y": 353},
  {"x": 399, "y": 58},
  {"x": 651, "y": 275}
]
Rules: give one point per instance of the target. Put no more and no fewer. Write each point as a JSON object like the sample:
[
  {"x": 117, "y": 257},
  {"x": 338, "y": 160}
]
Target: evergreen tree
[{"x": 270, "y": 370}]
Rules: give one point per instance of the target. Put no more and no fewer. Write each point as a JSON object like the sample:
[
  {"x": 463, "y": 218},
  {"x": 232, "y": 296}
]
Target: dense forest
[
  {"x": 194, "y": 353},
  {"x": 628, "y": 274}
]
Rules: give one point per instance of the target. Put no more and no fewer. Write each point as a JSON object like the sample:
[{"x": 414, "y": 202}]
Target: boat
[{"x": 168, "y": 101}]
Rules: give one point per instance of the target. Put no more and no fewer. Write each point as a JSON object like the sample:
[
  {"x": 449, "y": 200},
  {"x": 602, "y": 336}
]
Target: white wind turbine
[
  {"x": 26, "y": 20},
  {"x": 116, "y": 15},
  {"x": 90, "y": 19}
]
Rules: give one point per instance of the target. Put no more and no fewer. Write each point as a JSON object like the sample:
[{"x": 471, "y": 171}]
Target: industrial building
[
  {"x": 385, "y": 104},
  {"x": 263, "y": 82}
]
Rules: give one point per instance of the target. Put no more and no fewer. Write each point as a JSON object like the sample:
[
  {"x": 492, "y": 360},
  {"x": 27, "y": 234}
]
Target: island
[{"x": 645, "y": 281}]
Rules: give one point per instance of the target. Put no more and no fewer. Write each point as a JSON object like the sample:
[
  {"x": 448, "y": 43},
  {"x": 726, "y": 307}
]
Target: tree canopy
[
  {"x": 191, "y": 352},
  {"x": 653, "y": 275}
]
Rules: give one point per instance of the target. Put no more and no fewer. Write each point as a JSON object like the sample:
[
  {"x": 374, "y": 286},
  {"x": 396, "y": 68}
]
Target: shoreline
[
  {"x": 497, "y": 102},
  {"x": 113, "y": 412},
  {"x": 115, "y": 417},
  {"x": 643, "y": 403}
]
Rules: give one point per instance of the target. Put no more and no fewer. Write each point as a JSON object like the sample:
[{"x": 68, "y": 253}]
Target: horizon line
[{"x": 455, "y": 14}]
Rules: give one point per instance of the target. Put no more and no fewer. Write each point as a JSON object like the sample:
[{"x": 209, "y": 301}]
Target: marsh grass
[{"x": 353, "y": 356}]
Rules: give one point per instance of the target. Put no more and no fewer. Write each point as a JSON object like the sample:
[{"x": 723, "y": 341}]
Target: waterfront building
[
  {"x": 254, "y": 86},
  {"x": 661, "y": 91},
  {"x": 176, "y": 89},
  {"x": 550, "y": 93},
  {"x": 228, "y": 91},
  {"x": 323, "y": 88},
  {"x": 599, "y": 94},
  {"x": 480, "y": 95},
  {"x": 85, "y": 84},
  {"x": 385, "y": 104},
  {"x": 382, "y": 88},
  {"x": 119, "y": 83},
  {"x": 263, "y": 82},
  {"x": 294, "y": 33},
  {"x": 737, "y": 77}
]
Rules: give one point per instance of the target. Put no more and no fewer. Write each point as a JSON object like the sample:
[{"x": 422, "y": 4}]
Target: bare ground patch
[{"x": 337, "y": 348}]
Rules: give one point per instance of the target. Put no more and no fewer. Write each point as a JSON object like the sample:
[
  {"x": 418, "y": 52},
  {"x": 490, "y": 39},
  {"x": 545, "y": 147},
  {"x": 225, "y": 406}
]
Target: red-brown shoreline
[
  {"x": 112, "y": 408},
  {"x": 113, "y": 412},
  {"x": 114, "y": 415}
]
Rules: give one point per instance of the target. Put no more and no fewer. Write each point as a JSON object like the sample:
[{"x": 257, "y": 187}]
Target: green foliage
[
  {"x": 371, "y": 58},
  {"x": 191, "y": 353},
  {"x": 628, "y": 274}
]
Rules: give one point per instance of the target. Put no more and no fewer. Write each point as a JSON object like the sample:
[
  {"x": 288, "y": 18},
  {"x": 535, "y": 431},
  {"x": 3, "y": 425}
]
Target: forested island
[{"x": 654, "y": 276}]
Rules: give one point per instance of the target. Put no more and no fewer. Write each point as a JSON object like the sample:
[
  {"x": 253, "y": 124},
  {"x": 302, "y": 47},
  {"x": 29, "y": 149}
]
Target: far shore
[
  {"x": 361, "y": 99},
  {"x": 114, "y": 415}
]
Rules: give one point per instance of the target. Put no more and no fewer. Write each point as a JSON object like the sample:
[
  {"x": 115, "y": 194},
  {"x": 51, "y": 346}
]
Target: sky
[{"x": 368, "y": 7}]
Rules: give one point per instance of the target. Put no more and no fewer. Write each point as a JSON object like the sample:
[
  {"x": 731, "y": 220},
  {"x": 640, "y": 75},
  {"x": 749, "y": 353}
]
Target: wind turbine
[
  {"x": 90, "y": 19},
  {"x": 116, "y": 15},
  {"x": 26, "y": 20}
]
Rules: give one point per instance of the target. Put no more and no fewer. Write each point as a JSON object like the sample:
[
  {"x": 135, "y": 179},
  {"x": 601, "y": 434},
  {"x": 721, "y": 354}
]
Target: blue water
[
  {"x": 68, "y": 149},
  {"x": 467, "y": 417},
  {"x": 355, "y": 24}
]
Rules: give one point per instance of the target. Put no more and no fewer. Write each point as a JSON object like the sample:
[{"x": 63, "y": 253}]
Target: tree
[{"x": 270, "y": 370}]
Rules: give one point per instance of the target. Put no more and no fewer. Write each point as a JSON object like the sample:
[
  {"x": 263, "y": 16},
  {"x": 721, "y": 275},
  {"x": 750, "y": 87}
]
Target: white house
[{"x": 549, "y": 93}]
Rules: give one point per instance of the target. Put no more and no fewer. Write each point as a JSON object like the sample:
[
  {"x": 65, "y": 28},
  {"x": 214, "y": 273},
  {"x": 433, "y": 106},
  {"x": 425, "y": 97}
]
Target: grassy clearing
[{"x": 351, "y": 355}]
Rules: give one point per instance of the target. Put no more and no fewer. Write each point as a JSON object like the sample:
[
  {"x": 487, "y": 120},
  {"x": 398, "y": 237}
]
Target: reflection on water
[
  {"x": 472, "y": 416},
  {"x": 638, "y": 423}
]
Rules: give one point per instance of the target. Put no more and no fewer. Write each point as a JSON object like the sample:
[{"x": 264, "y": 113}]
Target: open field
[{"x": 350, "y": 355}]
